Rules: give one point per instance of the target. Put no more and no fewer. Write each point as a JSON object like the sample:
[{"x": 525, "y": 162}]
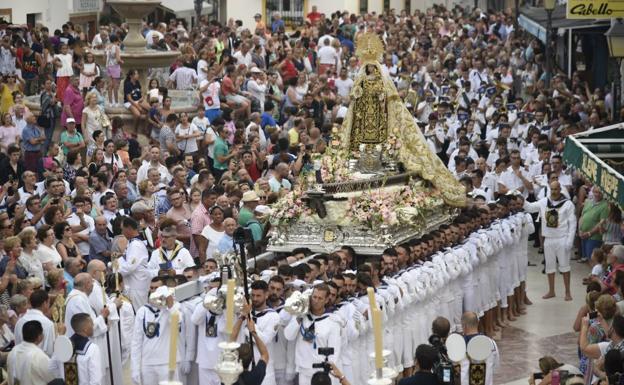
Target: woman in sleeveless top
[
  {"x": 66, "y": 246},
  {"x": 611, "y": 227}
]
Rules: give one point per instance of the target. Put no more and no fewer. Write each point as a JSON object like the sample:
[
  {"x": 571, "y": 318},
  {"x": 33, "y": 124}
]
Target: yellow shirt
[{"x": 293, "y": 137}]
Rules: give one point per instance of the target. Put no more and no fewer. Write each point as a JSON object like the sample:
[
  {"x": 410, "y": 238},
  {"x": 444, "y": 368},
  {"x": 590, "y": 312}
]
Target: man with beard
[
  {"x": 283, "y": 357},
  {"x": 353, "y": 321},
  {"x": 267, "y": 322}
]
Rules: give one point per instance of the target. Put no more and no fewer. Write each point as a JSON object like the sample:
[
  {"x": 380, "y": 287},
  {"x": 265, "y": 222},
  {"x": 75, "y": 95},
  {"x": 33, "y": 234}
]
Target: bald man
[
  {"x": 78, "y": 302},
  {"x": 99, "y": 241},
  {"x": 470, "y": 327},
  {"x": 110, "y": 341},
  {"x": 226, "y": 244},
  {"x": 558, "y": 219}
]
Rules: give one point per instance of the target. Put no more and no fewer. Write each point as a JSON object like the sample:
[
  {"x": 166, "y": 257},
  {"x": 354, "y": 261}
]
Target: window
[
  {"x": 291, "y": 11},
  {"x": 386, "y": 6},
  {"x": 408, "y": 7},
  {"x": 33, "y": 18},
  {"x": 363, "y": 6}
]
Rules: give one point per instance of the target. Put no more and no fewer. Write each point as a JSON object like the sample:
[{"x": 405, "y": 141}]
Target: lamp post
[
  {"x": 549, "y": 6},
  {"x": 615, "y": 39}
]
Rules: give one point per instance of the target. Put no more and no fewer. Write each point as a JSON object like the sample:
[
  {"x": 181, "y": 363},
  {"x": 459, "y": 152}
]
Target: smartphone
[
  {"x": 593, "y": 314},
  {"x": 538, "y": 376}
]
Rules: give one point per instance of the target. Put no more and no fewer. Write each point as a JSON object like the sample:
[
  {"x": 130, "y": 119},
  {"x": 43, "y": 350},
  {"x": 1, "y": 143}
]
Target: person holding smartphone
[{"x": 551, "y": 372}]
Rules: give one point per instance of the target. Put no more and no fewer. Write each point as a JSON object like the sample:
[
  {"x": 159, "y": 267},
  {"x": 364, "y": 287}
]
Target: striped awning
[{"x": 593, "y": 153}]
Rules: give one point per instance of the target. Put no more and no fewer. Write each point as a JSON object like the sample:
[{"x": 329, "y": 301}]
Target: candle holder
[
  {"x": 229, "y": 366},
  {"x": 385, "y": 375}
]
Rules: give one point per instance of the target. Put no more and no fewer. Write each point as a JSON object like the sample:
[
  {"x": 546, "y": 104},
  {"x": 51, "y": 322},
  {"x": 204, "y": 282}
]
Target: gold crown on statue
[{"x": 369, "y": 47}]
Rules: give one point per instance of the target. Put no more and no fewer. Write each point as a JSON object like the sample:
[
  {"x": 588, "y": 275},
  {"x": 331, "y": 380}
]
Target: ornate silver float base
[{"x": 325, "y": 238}]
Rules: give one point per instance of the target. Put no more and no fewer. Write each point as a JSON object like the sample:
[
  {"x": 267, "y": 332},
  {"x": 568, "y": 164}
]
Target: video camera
[
  {"x": 242, "y": 235},
  {"x": 443, "y": 367},
  {"x": 325, "y": 364}
]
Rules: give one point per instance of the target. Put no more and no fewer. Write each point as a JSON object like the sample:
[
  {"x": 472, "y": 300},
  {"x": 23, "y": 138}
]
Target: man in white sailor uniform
[
  {"x": 171, "y": 255},
  {"x": 151, "y": 341},
  {"x": 312, "y": 331},
  {"x": 78, "y": 302},
  {"x": 133, "y": 266},
  {"x": 470, "y": 326},
  {"x": 188, "y": 367},
  {"x": 283, "y": 350},
  {"x": 86, "y": 354},
  {"x": 557, "y": 215},
  {"x": 267, "y": 322},
  {"x": 39, "y": 307},
  {"x": 352, "y": 321},
  {"x": 210, "y": 332}
]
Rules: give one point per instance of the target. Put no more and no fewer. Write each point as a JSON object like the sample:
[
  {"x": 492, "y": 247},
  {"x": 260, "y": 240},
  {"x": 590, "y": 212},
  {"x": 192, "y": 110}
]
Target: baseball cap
[{"x": 70, "y": 120}]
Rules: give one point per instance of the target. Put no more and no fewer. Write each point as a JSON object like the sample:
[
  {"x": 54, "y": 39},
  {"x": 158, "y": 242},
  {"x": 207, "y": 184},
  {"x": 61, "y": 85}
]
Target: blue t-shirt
[
  {"x": 134, "y": 89},
  {"x": 267, "y": 120}
]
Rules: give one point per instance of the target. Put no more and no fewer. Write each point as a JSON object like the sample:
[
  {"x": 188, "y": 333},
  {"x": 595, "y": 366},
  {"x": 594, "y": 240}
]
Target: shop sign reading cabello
[{"x": 588, "y": 9}]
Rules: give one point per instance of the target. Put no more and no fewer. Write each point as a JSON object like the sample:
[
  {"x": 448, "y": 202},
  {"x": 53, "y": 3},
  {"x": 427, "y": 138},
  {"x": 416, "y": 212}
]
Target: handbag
[{"x": 104, "y": 119}]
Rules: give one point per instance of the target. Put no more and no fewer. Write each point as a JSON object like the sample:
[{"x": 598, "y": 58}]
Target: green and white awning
[{"x": 599, "y": 156}]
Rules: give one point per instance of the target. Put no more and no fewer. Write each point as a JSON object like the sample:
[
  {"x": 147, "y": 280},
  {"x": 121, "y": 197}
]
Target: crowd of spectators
[{"x": 267, "y": 99}]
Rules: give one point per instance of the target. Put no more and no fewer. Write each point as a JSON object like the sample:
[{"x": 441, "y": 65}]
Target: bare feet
[
  {"x": 527, "y": 301},
  {"x": 568, "y": 297},
  {"x": 496, "y": 329},
  {"x": 548, "y": 295},
  {"x": 510, "y": 318},
  {"x": 522, "y": 311},
  {"x": 500, "y": 325}
]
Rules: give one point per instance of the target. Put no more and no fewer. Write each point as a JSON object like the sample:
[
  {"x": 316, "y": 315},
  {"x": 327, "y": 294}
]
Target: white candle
[
  {"x": 377, "y": 327},
  {"x": 229, "y": 306},
  {"x": 371, "y": 298},
  {"x": 173, "y": 341}
]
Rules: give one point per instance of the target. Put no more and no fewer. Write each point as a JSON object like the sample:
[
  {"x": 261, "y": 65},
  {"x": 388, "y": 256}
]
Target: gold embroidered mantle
[{"x": 414, "y": 152}]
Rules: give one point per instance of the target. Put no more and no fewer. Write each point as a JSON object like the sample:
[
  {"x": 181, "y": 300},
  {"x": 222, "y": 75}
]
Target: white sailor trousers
[
  {"x": 153, "y": 374},
  {"x": 556, "y": 251}
]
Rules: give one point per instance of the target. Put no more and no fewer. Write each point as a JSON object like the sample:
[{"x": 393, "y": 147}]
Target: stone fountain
[{"x": 136, "y": 55}]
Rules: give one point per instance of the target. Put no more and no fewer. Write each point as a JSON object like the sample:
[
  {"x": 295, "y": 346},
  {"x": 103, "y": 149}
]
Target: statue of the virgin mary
[{"x": 377, "y": 114}]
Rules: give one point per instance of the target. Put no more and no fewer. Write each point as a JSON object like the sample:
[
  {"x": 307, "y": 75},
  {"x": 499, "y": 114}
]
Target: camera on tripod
[
  {"x": 443, "y": 367},
  {"x": 325, "y": 365},
  {"x": 242, "y": 235}
]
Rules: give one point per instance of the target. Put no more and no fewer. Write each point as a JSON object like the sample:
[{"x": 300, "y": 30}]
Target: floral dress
[{"x": 595, "y": 334}]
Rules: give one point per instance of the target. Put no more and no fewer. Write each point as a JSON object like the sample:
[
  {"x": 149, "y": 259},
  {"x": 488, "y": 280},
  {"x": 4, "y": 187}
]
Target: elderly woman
[
  {"x": 28, "y": 258},
  {"x": 46, "y": 252},
  {"x": 93, "y": 119},
  {"x": 599, "y": 325}
]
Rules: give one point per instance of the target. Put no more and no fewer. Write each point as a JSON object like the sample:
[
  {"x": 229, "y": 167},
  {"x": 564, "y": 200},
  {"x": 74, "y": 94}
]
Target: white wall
[
  {"x": 244, "y": 10},
  {"x": 54, "y": 12}
]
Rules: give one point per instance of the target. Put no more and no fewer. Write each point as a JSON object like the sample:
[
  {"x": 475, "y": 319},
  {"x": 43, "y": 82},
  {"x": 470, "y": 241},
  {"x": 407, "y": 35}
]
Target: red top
[
  {"x": 289, "y": 70},
  {"x": 227, "y": 86},
  {"x": 253, "y": 171},
  {"x": 314, "y": 17}
]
